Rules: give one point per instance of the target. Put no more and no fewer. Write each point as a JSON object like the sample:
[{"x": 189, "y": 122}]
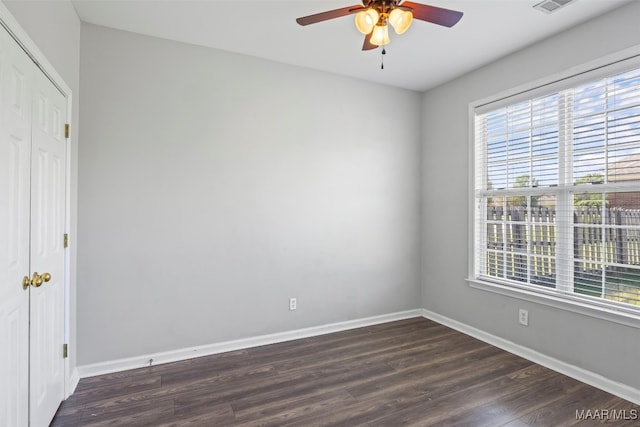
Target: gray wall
[
  {"x": 54, "y": 27},
  {"x": 599, "y": 346},
  {"x": 215, "y": 186}
]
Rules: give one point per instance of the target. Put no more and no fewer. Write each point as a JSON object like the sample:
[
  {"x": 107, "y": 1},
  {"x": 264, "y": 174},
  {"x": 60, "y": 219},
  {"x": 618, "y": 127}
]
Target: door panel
[
  {"x": 47, "y": 250},
  {"x": 15, "y": 141}
]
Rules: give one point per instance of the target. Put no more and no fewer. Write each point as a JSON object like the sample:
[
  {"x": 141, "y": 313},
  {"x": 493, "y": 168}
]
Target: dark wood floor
[{"x": 410, "y": 372}]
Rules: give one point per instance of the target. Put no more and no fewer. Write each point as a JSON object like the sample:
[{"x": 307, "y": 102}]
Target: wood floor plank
[
  {"x": 141, "y": 383},
  {"x": 363, "y": 410},
  {"x": 409, "y": 372},
  {"x": 296, "y": 411},
  {"x": 426, "y": 371},
  {"x": 327, "y": 381},
  {"x": 536, "y": 393},
  {"x": 192, "y": 414},
  {"x": 266, "y": 409},
  {"x": 224, "y": 385},
  {"x": 379, "y": 349},
  {"x": 439, "y": 407},
  {"x": 147, "y": 413}
]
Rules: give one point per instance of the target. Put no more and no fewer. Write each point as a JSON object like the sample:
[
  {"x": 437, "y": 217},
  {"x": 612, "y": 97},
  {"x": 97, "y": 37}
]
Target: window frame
[{"x": 603, "y": 67}]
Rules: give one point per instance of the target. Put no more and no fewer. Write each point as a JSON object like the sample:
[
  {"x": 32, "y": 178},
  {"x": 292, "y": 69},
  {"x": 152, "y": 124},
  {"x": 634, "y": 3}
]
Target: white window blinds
[{"x": 557, "y": 192}]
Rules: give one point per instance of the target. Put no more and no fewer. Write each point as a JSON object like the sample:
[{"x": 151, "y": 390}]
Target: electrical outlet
[
  {"x": 293, "y": 304},
  {"x": 523, "y": 317}
]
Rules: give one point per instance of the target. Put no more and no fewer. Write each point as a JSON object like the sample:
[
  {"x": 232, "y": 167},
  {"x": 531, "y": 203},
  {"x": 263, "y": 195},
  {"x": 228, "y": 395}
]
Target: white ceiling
[{"x": 425, "y": 56}]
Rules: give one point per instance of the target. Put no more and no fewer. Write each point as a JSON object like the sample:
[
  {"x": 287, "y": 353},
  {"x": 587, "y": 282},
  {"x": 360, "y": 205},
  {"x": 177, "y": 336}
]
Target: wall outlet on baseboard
[
  {"x": 293, "y": 304},
  {"x": 523, "y": 317}
]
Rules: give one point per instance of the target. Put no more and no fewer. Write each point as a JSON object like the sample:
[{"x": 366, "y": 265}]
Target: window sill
[{"x": 567, "y": 304}]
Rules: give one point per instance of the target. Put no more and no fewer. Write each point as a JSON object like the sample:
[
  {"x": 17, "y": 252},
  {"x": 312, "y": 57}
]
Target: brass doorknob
[{"x": 37, "y": 280}]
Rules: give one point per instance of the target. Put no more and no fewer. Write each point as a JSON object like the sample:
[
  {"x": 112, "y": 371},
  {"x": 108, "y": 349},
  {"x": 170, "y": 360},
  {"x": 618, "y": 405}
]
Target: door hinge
[
  {"x": 66, "y": 240},
  {"x": 67, "y": 130},
  {"x": 65, "y": 350}
]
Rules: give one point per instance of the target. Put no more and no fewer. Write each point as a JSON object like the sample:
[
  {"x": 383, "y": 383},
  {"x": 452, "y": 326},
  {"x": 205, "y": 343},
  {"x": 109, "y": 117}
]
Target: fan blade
[
  {"x": 324, "y": 16},
  {"x": 433, "y": 14},
  {"x": 367, "y": 45}
]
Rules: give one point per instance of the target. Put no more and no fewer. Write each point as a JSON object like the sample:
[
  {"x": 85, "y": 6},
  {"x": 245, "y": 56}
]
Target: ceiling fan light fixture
[
  {"x": 372, "y": 17},
  {"x": 366, "y": 20},
  {"x": 380, "y": 35},
  {"x": 400, "y": 20}
]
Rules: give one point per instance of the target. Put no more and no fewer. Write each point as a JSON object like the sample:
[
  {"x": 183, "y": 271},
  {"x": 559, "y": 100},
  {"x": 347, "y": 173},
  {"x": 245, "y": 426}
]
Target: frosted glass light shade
[
  {"x": 400, "y": 20},
  {"x": 366, "y": 20},
  {"x": 380, "y": 35}
]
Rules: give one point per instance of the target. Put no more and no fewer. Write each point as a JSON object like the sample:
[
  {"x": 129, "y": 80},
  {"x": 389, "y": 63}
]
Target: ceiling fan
[{"x": 373, "y": 16}]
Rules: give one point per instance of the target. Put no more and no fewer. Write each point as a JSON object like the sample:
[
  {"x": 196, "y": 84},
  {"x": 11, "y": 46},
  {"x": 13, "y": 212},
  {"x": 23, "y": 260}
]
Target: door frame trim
[{"x": 8, "y": 21}]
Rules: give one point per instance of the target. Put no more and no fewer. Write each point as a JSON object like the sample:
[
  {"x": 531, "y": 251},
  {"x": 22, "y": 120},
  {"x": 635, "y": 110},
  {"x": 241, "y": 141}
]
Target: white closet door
[
  {"x": 32, "y": 217},
  {"x": 48, "y": 155},
  {"x": 15, "y": 153}
]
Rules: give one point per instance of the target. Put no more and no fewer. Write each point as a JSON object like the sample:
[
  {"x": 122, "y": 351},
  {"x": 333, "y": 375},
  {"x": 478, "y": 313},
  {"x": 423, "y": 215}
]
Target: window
[{"x": 557, "y": 192}]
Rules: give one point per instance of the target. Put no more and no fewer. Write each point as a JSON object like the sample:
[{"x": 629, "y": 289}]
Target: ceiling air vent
[{"x": 549, "y": 6}]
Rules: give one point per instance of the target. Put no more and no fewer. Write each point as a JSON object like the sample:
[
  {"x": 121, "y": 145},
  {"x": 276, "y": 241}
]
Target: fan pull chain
[{"x": 384, "y": 52}]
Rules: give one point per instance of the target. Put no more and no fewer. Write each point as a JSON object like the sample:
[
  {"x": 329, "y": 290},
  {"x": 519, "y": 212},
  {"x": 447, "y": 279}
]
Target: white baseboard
[
  {"x": 621, "y": 390},
  {"x": 206, "y": 350}
]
